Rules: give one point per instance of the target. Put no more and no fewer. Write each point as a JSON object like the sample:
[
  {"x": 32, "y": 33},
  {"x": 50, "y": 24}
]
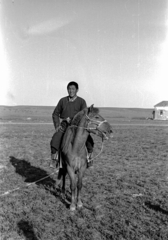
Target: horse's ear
[{"x": 90, "y": 109}]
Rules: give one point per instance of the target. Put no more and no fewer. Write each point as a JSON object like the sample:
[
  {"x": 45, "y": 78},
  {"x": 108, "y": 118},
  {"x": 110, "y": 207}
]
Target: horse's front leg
[
  {"x": 72, "y": 176},
  {"x": 79, "y": 188}
]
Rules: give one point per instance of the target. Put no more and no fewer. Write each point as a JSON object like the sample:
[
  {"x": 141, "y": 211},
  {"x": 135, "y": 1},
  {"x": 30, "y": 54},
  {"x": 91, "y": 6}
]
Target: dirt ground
[{"x": 125, "y": 195}]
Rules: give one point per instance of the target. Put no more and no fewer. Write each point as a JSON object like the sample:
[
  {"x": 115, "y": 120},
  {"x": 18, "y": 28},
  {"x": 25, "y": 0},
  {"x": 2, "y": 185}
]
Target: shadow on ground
[
  {"x": 34, "y": 174},
  {"x": 27, "y": 229},
  {"x": 31, "y": 173}
]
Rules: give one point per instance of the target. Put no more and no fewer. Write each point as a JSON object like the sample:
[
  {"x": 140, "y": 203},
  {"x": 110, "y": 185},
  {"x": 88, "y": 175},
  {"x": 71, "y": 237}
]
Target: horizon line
[{"x": 55, "y": 106}]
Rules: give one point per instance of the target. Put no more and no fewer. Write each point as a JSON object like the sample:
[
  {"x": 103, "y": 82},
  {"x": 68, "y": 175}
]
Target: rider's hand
[
  {"x": 57, "y": 128},
  {"x": 68, "y": 120}
]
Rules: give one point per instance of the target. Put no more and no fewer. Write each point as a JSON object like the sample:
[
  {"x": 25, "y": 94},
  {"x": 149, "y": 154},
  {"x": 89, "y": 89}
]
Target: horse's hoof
[
  {"x": 80, "y": 204},
  {"x": 72, "y": 207}
]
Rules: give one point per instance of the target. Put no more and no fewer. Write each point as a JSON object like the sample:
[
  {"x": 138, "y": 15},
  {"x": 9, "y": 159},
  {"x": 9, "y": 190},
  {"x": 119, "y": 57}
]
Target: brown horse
[{"x": 74, "y": 152}]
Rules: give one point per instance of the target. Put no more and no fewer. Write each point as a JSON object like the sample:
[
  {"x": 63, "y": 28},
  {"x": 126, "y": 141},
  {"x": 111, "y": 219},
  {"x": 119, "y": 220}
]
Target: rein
[
  {"x": 96, "y": 128},
  {"x": 26, "y": 185},
  {"x": 99, "y": 123},
  {"x": 99, "y": 152}
]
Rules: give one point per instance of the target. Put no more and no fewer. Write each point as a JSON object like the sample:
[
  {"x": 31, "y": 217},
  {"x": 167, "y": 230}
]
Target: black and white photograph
[{"x": 83, "y": 119}]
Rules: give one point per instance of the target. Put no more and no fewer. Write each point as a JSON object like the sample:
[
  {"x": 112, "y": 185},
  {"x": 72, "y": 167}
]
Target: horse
[{"x": 73, "y": 151}]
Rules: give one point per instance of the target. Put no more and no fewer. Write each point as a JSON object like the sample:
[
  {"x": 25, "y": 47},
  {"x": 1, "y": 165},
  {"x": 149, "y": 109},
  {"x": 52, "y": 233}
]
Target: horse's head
[{"x": 97, "y": 124}]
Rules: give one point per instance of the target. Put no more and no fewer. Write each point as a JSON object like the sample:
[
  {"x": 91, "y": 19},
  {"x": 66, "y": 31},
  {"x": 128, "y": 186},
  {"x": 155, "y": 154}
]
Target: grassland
[{"x": 124, "y": 195}]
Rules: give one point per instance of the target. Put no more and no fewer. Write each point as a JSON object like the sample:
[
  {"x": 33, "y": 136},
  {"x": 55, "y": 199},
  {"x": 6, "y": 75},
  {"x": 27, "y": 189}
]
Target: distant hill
[
  {"x": 44, "y": 113},
  {"x": 26, "y": 113}
]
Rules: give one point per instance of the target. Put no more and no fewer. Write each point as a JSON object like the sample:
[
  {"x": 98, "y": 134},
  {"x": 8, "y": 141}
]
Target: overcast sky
[{"x": 117, "y": 50}]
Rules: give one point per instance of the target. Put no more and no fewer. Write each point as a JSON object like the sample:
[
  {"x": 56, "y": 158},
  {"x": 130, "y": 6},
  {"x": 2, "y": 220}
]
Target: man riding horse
[{"x": 62, "y": 116}]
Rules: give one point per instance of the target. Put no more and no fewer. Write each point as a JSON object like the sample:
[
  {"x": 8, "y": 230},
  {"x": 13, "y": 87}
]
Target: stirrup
[
  {"x": 89, "y": 157},
  {"x": 54, "y": 163},
  {"x": 89, "y": 163}
]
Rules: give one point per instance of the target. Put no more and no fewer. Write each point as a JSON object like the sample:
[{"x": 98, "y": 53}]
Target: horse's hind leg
[{"x": 63, "y": 182}]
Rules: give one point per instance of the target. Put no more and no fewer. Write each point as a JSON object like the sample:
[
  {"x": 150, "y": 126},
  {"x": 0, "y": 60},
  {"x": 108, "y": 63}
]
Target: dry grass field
[{"x": 125, "y": 195}]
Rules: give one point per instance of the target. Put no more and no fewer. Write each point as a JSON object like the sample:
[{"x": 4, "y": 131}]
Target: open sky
[{"x": 117, "y": 50}]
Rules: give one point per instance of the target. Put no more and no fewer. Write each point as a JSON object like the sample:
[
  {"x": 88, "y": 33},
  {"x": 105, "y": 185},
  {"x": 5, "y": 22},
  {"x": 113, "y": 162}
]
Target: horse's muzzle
[
  {"x": 108, "y": 135},
  {"x": 105, "y": 130},
  {"x": 111, "y": 134}
]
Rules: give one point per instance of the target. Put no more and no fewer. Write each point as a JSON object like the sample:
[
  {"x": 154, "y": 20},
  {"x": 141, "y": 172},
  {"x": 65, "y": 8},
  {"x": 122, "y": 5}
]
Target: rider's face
[{"x": 72, "y": 91}]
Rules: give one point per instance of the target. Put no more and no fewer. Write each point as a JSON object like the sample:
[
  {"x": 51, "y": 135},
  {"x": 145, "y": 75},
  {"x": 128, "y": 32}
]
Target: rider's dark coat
[{"x": 64, "y": 109}]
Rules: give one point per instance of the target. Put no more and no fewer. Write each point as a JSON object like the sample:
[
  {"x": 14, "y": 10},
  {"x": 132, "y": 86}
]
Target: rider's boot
[
  {"x": 89, "y": 160},
  {"x": 54, "y": 160}
]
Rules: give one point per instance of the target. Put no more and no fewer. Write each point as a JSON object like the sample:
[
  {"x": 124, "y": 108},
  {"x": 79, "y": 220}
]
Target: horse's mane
[
  {"x": 71, "y": 131},
  {"x": 77, "y": 118}
]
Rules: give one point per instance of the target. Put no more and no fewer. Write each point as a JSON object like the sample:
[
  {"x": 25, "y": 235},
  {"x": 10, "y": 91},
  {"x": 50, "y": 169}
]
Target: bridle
[{"x": 98, "y": 124}]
